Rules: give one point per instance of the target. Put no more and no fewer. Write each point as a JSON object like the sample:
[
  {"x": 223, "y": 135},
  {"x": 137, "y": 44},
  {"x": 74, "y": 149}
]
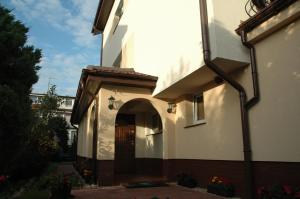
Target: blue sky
[{"x": 62, "y": 29}]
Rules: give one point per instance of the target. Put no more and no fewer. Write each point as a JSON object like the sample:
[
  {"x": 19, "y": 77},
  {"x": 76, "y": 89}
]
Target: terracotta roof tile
[{"x": 120, "y": 72}]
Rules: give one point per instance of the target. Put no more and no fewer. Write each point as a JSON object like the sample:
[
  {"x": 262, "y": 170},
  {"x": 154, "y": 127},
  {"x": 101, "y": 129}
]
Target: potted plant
[
  {"x": 278, "y": 191},
  {"x": 3, "y": 180},
  {"x": 61, "y": 186},
  {"x": 220, "y": 186}
]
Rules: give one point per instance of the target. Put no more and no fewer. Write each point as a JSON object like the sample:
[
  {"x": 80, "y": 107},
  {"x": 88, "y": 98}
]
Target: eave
[
  {"x": 102, "y": 15},
  {"x": 92, "y": 78}
]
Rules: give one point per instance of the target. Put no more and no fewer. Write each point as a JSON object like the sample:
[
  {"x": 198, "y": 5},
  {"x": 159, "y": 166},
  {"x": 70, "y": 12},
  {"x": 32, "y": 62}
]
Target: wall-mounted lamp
[
  {"x": 171, "y": 107},
  {"x": 111, "y": 102}
]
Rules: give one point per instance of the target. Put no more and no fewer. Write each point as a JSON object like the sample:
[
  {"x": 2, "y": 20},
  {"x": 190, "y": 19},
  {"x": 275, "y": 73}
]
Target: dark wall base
[
  {"x": 268, "y": 173},
  {"x": 105, "y": 172},
  {"x": 203, "y": 170},
  {"x": 265, "y": 173},
  {"x": 149, "y": 166}
]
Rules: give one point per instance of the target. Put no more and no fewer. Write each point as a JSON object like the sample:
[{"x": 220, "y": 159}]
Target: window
[
  {"x": 198, "y": 108},
  {"x": 68, "y": 102},
  {"x": 156, "y": 123}
]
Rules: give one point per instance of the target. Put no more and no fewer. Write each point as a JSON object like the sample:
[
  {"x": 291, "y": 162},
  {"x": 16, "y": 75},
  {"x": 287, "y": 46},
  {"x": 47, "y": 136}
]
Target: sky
[{"x": 62, "y": 29}]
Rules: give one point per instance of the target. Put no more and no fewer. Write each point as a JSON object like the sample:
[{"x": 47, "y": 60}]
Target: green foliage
[
  {"x": 10, "y": 115},
  {"x": 58, "y": 126},
  {"x": 60, "y": 184},
  {"x": 51, "y": 123},
  {"x": 18, "y": 66},
  {"x": 49, "y": 105},
  {"x": 18, "y": 61},
  {"x": 43, "y": 140},
  {"x": 50, "y": 130}
]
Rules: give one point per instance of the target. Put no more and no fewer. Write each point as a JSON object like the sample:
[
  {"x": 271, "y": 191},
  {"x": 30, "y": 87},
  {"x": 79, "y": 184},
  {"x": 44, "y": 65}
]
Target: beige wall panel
[
  {"x": 85, "y": 135},
  {"x": 220, "y": 138},
  {"x": 275, "y": 120}
]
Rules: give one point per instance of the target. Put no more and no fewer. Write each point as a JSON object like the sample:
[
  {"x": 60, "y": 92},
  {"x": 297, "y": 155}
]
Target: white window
[
  {"x": 198, "y": 108},
  {"x": 68, "y": 102},
  {"x": 156, "y": 124}
]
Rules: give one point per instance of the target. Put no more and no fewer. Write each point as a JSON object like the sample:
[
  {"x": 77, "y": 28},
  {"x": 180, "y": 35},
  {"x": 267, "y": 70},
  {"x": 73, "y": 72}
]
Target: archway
[{"x": 138, "y": 141}]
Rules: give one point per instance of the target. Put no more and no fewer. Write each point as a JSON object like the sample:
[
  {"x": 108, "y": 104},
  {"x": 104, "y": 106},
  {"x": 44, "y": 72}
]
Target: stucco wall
[
  {"x": 85, "y": 136},
  {"x": 220, "y": 137},
  {"x": 166, "y": 36},
  {"x": 275, "y": 119},
  {"x": 154, "y": 146}
]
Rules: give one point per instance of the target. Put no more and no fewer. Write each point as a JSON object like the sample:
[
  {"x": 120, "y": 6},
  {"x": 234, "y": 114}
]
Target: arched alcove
[{"x": 138, "y": 139}]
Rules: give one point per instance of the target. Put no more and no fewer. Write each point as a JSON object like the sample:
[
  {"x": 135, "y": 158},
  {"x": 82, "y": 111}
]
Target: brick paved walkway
[{"x": 119, "y": 192}]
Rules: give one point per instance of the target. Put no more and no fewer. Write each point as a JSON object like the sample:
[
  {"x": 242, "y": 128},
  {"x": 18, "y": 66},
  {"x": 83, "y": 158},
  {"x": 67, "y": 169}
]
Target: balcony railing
[{"x": 252, "y": 7}]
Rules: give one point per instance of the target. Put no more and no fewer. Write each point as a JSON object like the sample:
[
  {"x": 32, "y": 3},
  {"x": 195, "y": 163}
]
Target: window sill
[
  {"x": 200, "y": 122},
  {"x": 157, "y": 133}
]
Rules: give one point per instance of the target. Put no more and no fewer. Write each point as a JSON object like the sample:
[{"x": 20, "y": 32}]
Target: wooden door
[{"x": 125, "y": 144}]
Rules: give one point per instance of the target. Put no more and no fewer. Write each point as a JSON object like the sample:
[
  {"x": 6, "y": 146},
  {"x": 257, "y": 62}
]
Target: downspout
[
  {"x": 95, "y": 142},
  {"x": 249, "y": 192},
  {"x": 256, "y": 95},
  {"x": 76, "y": 141}
]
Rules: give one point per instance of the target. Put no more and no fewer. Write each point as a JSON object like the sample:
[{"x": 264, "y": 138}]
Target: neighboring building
[
  {"x": 64, "y": 110},
  {"x": 160, "y": 106}
]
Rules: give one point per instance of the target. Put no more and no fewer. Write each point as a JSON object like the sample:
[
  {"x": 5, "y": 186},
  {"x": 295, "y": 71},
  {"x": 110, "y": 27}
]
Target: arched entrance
[{"x": 138, "y": 141}]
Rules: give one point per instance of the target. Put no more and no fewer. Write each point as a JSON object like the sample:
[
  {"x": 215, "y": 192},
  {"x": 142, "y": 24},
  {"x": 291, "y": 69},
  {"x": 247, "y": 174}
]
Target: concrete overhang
[{"x": 192, "y": 83}]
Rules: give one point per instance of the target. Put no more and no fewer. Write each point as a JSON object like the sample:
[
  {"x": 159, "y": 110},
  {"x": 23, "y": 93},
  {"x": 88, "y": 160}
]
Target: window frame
[
  {"x": 68, "y": 102},
  {"x": 196, "y": 117}
]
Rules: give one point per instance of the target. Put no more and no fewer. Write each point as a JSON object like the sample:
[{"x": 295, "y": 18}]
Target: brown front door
[{"x": 125, "y": 144}]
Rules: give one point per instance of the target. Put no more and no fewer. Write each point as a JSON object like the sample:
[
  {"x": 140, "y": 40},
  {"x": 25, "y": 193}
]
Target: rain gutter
[{"x": 244, "y": 104}]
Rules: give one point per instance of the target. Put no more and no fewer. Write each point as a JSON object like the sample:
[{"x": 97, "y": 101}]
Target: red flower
[
  {"x": 2, "y": 179},
  {"x": 261, "y": 190},
  {"x": 225, "y": 181},
  {"x": 287, "y": 189},
  {"x": 297, "y": 194}
]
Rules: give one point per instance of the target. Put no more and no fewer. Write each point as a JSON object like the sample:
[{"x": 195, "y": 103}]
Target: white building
[{"x": 181, "y": 90}]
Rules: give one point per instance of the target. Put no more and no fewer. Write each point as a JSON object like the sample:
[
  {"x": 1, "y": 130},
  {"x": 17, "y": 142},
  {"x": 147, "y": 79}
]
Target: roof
[
  {"x": 263, "y": 15},
  {"x": 102, "y": 15},
  {"x": 93, "y": 77},
  {"x": 117, "y": 72}
]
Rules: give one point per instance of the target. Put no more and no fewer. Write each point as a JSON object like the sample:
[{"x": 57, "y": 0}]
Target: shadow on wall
[
  {"x": 148, "y": 127},
  {"x": 105, "y": 146},
  {"x": 184, "y": 66},
  {"x": 176, "y": 74},
  {"x": 114, "y": 42}
]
